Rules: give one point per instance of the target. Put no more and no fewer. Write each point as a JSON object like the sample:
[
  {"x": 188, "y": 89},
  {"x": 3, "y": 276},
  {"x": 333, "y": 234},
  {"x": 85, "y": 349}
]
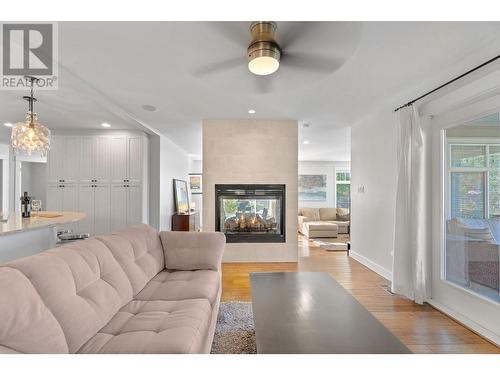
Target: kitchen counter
[
  {"x": 23, "y": 237},
  {"x": 17, "y": 224}
]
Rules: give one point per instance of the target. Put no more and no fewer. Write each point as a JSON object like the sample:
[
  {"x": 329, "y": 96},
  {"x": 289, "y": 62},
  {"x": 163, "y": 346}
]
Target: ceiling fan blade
[
  {"x": 263, "y": 84},
  {"x": 220, "y": 66},
  {"x": 311, "y": 62},
  {"x": 236, "y": 32},
  {"x": 290, "y": 33}
]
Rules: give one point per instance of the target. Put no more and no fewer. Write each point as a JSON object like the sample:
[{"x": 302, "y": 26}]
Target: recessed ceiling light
[
  {"x": 8, "y": 124},
  {"x": 251, "y": 111},
  {"x": 105, "y": 125},
  {"x": 149, "y": 108},
  {"x": 306, "y": 142}
]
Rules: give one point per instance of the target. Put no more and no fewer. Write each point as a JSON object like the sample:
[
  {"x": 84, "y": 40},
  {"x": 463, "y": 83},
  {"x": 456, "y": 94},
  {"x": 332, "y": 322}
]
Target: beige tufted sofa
[
  {"x": 323, "y": 222},
  {"x": 135, "y": 291}
]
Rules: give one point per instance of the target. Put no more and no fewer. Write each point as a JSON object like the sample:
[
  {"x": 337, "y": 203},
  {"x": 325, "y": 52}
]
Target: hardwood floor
[{"x": 420, "y": 327}]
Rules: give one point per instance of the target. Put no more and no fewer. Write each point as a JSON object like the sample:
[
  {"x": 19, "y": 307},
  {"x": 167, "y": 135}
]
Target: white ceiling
[{"x": 108, "y": 70}]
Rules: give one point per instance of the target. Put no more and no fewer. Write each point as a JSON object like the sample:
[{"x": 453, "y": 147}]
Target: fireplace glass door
[{"x": 250, "y": 213}]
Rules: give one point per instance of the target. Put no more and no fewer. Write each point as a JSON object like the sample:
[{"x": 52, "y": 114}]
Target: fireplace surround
[{"x": 250, "y": 213}]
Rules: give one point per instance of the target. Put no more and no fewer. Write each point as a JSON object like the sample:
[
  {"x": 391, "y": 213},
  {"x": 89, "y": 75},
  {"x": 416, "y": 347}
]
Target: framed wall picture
[
  {"x": 181, "y": 197},
  {"x": 196, "y": 183},
  {"x": 312, "y": 187}
]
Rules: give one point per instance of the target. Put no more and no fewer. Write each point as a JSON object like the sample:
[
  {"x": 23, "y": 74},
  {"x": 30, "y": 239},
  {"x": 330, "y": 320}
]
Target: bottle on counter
[{"x": 25, "y": 205}]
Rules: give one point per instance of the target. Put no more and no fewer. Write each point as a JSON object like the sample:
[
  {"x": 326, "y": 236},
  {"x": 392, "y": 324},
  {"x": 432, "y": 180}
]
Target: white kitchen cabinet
[
  {"x": 105, "y": 176},
  {"x": 56, "y": 159},
  {"x": 134, "y": 204},
  {"x": 86, "y": 205},
  {"x": 119, "y": 162},
  {"x": 119, "y": 203},
  {"x": 64, "y": 159},
  {"x": 54, "y": 198},
  {"x": 63, "y": 197},
  {"x": 94, "y": 201},
  {"x": 126, "y": 206},
  {"x": 102, "y": 210},
  {"x": 71, "y": 162},
  {"x": 134, "y": 159},
  {"x": 102, "y": 162},
  {"x": 87, "y": 159}
]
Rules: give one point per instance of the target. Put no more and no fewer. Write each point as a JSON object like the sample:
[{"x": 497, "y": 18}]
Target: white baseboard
[
  {"x": 384, "y": 272},
  {"x": 480, "y": 330}
]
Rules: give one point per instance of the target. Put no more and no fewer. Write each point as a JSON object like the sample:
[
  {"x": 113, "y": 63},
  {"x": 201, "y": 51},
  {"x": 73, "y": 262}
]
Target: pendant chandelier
[{"x": 30, "y": 137}]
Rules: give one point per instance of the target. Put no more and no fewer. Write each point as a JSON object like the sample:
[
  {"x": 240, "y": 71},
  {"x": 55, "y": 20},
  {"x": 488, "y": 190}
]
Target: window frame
[
  {"x": 469, "y": 141},
  {"x": 342, "y": 182}
]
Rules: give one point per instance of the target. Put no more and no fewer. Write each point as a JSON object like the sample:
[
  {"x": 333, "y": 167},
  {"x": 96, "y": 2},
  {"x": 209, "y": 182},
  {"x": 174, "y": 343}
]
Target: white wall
[
  {"x": 252, "y": 152},
  {"x": 329, "y": 169},
  {"x": 196, "y": 166},
  {"x": 4, "y": 177},
  {"x": 167, "y": 162},
  {"x": 373, "y": 167}
]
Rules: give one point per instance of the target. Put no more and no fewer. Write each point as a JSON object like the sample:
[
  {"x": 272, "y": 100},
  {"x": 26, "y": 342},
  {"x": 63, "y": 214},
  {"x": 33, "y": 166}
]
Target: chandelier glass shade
[{"x": 30, "y": 137}]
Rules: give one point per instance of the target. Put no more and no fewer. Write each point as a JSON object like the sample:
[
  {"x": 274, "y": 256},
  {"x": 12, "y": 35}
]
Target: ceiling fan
[{"x": 275, "y": 50}]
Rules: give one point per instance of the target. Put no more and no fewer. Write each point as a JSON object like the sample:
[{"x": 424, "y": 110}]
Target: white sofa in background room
[{"x": 323, "y": 222}]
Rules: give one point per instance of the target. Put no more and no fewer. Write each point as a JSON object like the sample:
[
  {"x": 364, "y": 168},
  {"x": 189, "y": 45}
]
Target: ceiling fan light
[
  {"x": 263, "y": 65},
  {"x": 263, "y": 58}
]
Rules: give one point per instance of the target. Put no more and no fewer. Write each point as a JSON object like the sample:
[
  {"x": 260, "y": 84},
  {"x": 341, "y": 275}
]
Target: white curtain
[{"x": 411, "y": 270}]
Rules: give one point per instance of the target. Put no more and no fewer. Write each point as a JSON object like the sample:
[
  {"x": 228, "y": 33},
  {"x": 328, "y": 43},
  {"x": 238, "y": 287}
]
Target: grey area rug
[{"x": 234, "y": 332}]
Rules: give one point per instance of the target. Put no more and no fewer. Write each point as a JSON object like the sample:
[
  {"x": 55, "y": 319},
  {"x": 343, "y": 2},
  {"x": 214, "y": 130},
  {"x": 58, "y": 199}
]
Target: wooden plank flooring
[{"x": 420, "y": 327}]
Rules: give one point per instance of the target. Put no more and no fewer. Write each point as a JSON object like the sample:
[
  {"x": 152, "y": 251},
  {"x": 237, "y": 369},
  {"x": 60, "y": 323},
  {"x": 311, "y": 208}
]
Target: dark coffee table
[{"x": 309, "y": 312}]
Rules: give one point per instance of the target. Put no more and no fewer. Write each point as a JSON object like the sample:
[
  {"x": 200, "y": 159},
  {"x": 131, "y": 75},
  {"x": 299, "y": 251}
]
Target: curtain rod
[{"x": 449, "y": 82}]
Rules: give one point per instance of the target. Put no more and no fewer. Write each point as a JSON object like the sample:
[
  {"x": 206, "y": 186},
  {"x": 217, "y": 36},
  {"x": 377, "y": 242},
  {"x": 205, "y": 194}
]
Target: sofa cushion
[
  {"x": 311, "y": 213},
  {"x": 154, "y": 327},
  {"x": 327, "y": 214},
  {"x": 26, "y": 324},
  {"x": 320, "y": 225},
  {"x": 193, "y": 251},
  {"x": 179, "y": 285},
  {"x": 342, "y": 214},
  {"x": 139, "y": 252},
  {"x": 81, "y": 284}
]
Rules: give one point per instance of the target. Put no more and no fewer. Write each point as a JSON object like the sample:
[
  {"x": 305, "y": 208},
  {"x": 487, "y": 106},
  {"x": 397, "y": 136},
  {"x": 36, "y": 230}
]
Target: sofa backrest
[
  {"x": 82, "y": 285},
  {"x": 139, "y": 251},
  {"x": 26, "y": 324},
  {"x": 310, "y": 213},
  {"x": 328, "y": 214}
]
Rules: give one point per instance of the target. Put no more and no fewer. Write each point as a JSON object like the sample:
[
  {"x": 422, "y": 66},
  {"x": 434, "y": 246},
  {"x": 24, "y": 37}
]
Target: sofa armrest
[
  {"x": 187, "y": 251},
  {"x": 303, "y": 219}
]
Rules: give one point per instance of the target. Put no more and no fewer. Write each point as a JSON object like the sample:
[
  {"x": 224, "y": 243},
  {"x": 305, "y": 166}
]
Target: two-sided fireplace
[{"x": 250, "y": 213}]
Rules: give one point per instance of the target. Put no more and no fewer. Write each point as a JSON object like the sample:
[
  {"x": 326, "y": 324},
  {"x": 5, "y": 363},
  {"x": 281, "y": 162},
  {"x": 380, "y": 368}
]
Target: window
[
  {"x": 343, "y": 188},
  {"x": 472, "y": 221},
  {"x": 474, "y": 180}
]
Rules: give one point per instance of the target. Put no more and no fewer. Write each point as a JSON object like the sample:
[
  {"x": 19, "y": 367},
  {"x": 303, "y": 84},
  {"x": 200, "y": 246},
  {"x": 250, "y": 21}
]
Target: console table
[{"x": 186, "y": 222}]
